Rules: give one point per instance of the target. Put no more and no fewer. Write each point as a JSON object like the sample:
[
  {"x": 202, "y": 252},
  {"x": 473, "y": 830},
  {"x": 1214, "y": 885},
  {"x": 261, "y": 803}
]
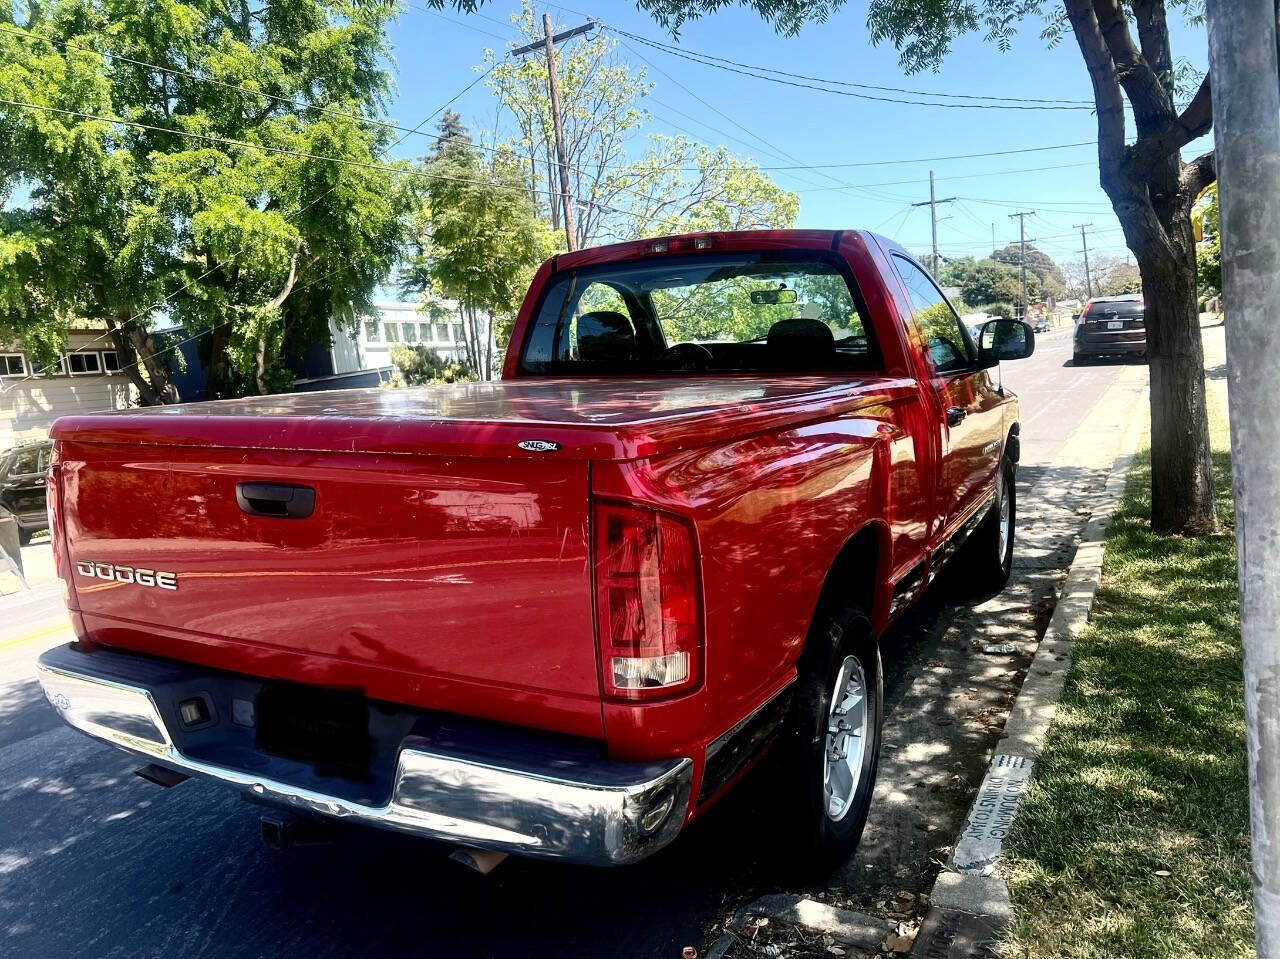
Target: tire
[
  {"x": 24, "y": 536},
  {"x": 814, "y": 836},
  {"x": 1078, "y": 360},
  {"x": 986, "y": 562}
]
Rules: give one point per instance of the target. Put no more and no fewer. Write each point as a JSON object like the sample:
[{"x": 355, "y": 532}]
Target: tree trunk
[
  {"x": 136, "y": 350},
  {"x": 219, "y": 381},
  {"x": 1151, "y": 191},
  {"x": 276, "y": 302},
  {"x": 1182, "y": 497}
]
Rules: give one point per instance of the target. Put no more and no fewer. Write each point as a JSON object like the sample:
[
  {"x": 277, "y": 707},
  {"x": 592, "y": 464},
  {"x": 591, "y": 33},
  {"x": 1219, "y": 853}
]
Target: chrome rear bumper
[{"x": 592, "y": 811}]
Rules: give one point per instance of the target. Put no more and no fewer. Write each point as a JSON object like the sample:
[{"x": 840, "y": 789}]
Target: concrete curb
[{"x": 970, "y": 904}]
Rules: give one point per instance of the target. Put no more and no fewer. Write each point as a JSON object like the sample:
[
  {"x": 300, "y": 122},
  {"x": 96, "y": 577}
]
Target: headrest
[
  {"x": 802, "y": 343},
  {"x": 605, "y": 336}
]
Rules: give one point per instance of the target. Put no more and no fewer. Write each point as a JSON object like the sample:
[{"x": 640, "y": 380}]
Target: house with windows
[
  {"x": 86, "y": 379},
  {"x": 399, "y": 323},
  {"x": 367, "y": 345}
]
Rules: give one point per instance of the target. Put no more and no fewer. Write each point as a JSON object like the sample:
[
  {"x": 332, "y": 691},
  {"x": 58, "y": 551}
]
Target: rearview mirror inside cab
[
  {"x": 1005, "y": 340},
  {"x": 772, "y": 297}
]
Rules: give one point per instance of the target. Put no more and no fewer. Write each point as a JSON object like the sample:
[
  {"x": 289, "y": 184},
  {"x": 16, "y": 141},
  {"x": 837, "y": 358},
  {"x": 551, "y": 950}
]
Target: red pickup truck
[{"x": 561, "y": 614}]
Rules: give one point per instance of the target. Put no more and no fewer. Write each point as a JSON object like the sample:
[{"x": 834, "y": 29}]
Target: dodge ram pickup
[{"x": 563, "y": 613}]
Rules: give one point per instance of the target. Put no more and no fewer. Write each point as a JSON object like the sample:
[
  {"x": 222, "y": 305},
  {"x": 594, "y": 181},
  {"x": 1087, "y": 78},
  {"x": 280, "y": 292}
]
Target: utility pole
[
  {"x": 993, "y": 237},
  {"x": 548, "y": 44},
  {"x": 1088, "y": 282},
  {"x": 1022, "y": 241},
  {"x": 1246, "y": 133},
  {"x": 932, "y": 204}
]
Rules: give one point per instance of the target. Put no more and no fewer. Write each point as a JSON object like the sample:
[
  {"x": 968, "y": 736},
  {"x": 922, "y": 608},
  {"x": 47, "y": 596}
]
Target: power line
[
  {"x": 285, "y": 151},
  {"x": 1014, "y": 204},
  {"x": 837, "y": 87},
  {"x": 846, "y": 83},
  {"x": 771, "y": 148},
  {"x": 295, "y": 108},
  {"x": 956, "y": 156},
  {"x": 965, "y": 176}
]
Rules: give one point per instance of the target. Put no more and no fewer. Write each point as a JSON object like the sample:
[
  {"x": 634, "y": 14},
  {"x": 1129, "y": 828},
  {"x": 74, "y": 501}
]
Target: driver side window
[{"x": 944, "y": 334}]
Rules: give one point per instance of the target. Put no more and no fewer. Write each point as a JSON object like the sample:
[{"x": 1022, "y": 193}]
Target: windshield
[{"x": 725, "y": 313}]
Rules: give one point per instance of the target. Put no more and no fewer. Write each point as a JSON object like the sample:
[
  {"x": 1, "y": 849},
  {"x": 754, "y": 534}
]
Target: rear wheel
[
  {"x": 826, "y": 759},
  {"x": 24, "y": 536},
  {"x": 987, "y": 561},
  {"x": 1079, "y": 360}
]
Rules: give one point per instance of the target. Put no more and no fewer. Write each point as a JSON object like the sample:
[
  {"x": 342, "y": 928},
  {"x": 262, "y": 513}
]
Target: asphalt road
[{"x": 95, "y": 862}]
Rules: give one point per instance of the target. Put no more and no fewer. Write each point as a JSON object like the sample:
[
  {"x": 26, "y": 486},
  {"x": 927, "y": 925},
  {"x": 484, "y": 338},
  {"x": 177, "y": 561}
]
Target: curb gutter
[
  {"x": 843, "y": 926},
  {"x": 970, "y": 905}
]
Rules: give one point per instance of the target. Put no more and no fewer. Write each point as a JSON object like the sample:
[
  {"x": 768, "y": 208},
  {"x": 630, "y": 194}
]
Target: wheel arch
[
  {"x": 1013, "y": 443},
  {"x": 859, "y": 573}
]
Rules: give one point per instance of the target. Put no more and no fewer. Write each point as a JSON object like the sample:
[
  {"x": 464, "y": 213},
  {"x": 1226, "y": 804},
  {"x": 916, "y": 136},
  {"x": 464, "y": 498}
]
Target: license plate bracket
[{"x": 1115, "y": 324}]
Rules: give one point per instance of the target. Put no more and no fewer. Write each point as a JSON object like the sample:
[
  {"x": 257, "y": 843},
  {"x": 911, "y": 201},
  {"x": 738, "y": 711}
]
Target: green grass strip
[{"x": 1143, "y": 773}]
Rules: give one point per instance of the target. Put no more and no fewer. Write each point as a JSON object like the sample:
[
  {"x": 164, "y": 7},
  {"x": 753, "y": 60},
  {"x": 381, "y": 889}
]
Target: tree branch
[
  {"x": 1198, "y": 174},
  {"x": 1106, "y": 88},
  {"x": 278, "y": 300},
  {"x": 260, "y": 370},
  {"x": 1150, "y": 100},
  {"x": 1195, "y": 121},
  {"x": 1153, "y": 34}
]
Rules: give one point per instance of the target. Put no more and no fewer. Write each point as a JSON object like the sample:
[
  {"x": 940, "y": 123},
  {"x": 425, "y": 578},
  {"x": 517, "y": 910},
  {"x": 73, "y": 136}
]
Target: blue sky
[{"x": 436, "y": 54}]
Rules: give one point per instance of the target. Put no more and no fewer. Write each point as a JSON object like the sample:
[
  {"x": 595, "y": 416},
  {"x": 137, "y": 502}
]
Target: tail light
[
  {"x": 649, "y": 621},
  {"x": 1084, "y": 314}
]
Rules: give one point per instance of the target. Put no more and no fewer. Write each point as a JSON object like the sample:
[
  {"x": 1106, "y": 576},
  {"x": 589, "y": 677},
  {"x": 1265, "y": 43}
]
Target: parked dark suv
[
  {"x": 1111, "y": 326},
  {"x": 22, "y": 493}
]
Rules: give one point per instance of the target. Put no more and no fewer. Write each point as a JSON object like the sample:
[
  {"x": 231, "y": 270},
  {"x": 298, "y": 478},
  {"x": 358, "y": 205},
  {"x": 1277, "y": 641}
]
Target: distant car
[
  {"x": 22, "y": 490},
  {"x": 1111, "y": 326},
  {"x": 1042, "y": 323}
]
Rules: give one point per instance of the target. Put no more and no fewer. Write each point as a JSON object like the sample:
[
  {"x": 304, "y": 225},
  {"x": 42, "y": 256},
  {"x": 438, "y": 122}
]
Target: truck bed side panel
[{"x": 772, "y": 512}]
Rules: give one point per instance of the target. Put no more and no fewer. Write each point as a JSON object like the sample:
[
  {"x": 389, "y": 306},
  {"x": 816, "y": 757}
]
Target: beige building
[{"x": 86, "y": 380}]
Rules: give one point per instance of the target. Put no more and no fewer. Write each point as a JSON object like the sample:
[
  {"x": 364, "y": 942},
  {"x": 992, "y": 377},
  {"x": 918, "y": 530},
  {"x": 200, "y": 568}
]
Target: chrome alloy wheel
[
  {"x": 846, "y": 739},
  {"x": 1002, "y": 538}
]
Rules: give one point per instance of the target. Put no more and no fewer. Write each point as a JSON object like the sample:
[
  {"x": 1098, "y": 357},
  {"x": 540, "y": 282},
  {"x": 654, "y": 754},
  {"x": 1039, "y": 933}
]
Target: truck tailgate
[{"x": 454, "y": 583}]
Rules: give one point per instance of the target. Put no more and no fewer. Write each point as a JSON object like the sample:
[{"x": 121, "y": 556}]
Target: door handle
[
  {"x": 281, "y": 500},
  {"x": 956, "y": 415}
]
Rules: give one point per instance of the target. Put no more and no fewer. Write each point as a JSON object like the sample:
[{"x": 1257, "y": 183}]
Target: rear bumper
[
  {"x": 1114, "y": 343},
  {"x": 456, "y": 782}
]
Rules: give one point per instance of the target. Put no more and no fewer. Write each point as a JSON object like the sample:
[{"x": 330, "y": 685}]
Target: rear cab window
[{"x": 740, "y": 312}]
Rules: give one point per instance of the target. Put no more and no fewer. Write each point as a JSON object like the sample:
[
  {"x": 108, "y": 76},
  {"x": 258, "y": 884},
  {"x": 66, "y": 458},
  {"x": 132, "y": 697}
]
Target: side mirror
[{"x": 1005, "y": 340}]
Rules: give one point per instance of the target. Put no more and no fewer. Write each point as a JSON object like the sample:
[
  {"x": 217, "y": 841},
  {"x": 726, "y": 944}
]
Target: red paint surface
[{"x": 445, "y": 567}]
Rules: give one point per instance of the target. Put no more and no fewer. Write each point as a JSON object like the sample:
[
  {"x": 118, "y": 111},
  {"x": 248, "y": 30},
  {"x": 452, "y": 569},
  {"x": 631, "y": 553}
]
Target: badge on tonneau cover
[{"x": 539, "y": 446}]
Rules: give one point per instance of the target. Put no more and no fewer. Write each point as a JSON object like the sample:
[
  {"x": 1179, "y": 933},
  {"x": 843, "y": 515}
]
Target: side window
[
  {"x": 28, "y": 461},
  {"x": 945, "y": 336}
]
